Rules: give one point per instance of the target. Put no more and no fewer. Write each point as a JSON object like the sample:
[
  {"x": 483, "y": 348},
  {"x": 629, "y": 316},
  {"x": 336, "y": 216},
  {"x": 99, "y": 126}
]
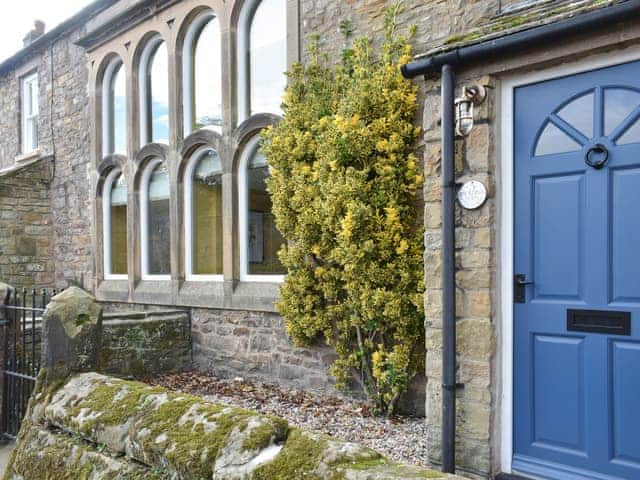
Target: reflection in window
[
  {"x": 157, "y": 221},
  {"x": 631, "y": 135},
  {"x": 262, "y": 36},
  {"x": 579, "y": 114},
  {"x": 553, "y": 140},
  {"x": 202, "y": 75},
  {"x": 114, "y": 109},
  {"x": 619, "y": 104},
  {"x": 263, "y": 238},
  {"x": 154, "y": 90},
  {"x": 204, "y": 215},
  {"x": 115, "y": 225}
]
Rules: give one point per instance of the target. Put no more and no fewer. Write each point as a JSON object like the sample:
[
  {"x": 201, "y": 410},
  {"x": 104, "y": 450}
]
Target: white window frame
[
  {"x": 106, "y": 226},
  {"x": 243, "y": 217},
  {"x": 146, "y": 133},
  {"x": 243, "y": 63},
  {"x": 108, "y": 106},
  {"x": 29, "y": 117},
  {"x": 188, "y": 221},
  {"x": 188, "y": 91},
  {"x": 144, "y": 222}
]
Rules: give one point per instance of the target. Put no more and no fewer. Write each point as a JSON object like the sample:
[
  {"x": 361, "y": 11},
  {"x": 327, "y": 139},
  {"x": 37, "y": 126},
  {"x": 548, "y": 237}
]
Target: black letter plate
[{"x": 599, "y": 321}]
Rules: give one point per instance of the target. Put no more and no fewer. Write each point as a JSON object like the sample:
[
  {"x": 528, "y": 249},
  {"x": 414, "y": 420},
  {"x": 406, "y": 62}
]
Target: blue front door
[{"x": 577, "y": 240}]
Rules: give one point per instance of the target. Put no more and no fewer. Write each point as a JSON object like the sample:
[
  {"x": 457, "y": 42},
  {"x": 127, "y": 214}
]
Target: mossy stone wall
[
  {"x": 143, "y": 344},
  {"x": 98, "y": 427}
]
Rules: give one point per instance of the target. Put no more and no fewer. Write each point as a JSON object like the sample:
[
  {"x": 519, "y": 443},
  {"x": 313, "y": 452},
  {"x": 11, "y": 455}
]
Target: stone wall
[
  {"x": 64, "y": 139},
  {"x": 82, "y": 424},
  {"x": 93, "y": 426},
  {"x": 26, "y": 230},
  {"x": 475, "y": 266},
  {"x": 254, "y": 345},
  {"x": 144, "y": 344},
  {"x": 436, "y": 21}
]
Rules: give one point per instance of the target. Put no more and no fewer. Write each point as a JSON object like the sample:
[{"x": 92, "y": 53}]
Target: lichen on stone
[{"x": 100, "y": 428}]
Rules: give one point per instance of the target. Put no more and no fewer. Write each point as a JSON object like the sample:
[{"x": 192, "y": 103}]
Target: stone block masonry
[
  {"x": 64, "y": 130},
  {"x": 143, "y": 344},
  {"x": 26, "y": 226},
  {"x": 254, "y": 345},
  {"x": 475, "y": 277}
]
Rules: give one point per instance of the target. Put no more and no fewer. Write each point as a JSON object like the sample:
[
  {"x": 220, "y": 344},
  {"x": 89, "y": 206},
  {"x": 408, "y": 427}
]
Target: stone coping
[{"x": 99, "y": 427}]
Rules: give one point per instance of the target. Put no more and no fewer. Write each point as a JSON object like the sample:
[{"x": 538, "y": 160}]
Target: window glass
[
  {"x": 159, "y": 94},
  {"x": 631, "y": 135},
  {"x": 553, "y": 140},
  {"x": 158, "y": 222},
  {"x": 119, "y": 109},
  {"x": 206, "y": 78},
  {"x": 579, "y": 114},
  {"x": 118, "y": 223},
  {"x": 207, "y": 215},
  {"x": 264, "y": 239},
  {"x": 267, "y": 56},
  {"x": 618, "y": 105},
  {"x": 29, "y": 113}
]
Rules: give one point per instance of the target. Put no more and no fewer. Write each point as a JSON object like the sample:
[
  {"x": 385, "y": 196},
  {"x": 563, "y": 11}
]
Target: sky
[{"x": 18, "y": 17}]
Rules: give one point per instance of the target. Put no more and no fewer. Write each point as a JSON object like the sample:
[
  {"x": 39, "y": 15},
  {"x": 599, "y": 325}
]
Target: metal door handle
[{"x": 520, "y": 281}]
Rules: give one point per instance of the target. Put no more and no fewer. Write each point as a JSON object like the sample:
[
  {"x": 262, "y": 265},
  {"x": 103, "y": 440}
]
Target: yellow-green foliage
[{"x": 343, "y": 182}]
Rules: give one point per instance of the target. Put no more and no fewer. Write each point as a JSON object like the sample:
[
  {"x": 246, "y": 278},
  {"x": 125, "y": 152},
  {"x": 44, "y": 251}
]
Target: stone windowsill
[
  {"x": 254, "y": 296},
  {"x": 29, "y": 156}
]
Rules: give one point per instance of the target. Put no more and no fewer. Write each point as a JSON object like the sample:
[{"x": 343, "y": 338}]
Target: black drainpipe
[
  {"x": 448, "y": 272},
  {"x": 445, "y": 61}
]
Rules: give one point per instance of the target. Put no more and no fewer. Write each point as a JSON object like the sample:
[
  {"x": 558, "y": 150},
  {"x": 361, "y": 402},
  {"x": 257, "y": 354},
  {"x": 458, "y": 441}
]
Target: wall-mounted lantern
[{"x": 471, "y": 96}]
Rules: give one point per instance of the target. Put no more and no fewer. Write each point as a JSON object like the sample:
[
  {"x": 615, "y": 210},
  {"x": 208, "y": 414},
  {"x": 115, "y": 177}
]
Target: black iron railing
[{"x": 22, "y": 335}]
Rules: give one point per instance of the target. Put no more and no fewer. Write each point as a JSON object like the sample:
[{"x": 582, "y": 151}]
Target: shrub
[{"x": 343, "y": 184}]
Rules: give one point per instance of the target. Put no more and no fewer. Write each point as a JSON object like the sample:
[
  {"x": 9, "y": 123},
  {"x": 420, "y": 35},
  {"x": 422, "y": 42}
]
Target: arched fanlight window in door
[
  {"x": 577, "y": 123},
  {"x": 203, "y": 216},
  {"x": 262, "y": 57},
  {"x": 155, "y": 228},
  {"x": 114, "y": 226},
  {"x": 154, "y": 92},
  {"x": 260, "y": 240},
  {"x": 202, "y": 75},
  {"x": 114, "y": 109}
]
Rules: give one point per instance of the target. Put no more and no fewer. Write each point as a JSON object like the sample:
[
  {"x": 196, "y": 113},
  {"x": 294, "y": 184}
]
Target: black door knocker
[{"x": 597, "y": 156}]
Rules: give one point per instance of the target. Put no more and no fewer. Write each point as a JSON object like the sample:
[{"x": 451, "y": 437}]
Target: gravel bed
[{"x": 400, "y": 438}]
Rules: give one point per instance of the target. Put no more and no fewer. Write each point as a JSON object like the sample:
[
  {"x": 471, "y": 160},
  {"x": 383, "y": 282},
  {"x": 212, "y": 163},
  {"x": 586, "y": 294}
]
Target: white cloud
[{"x": 18, "y": 17}]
